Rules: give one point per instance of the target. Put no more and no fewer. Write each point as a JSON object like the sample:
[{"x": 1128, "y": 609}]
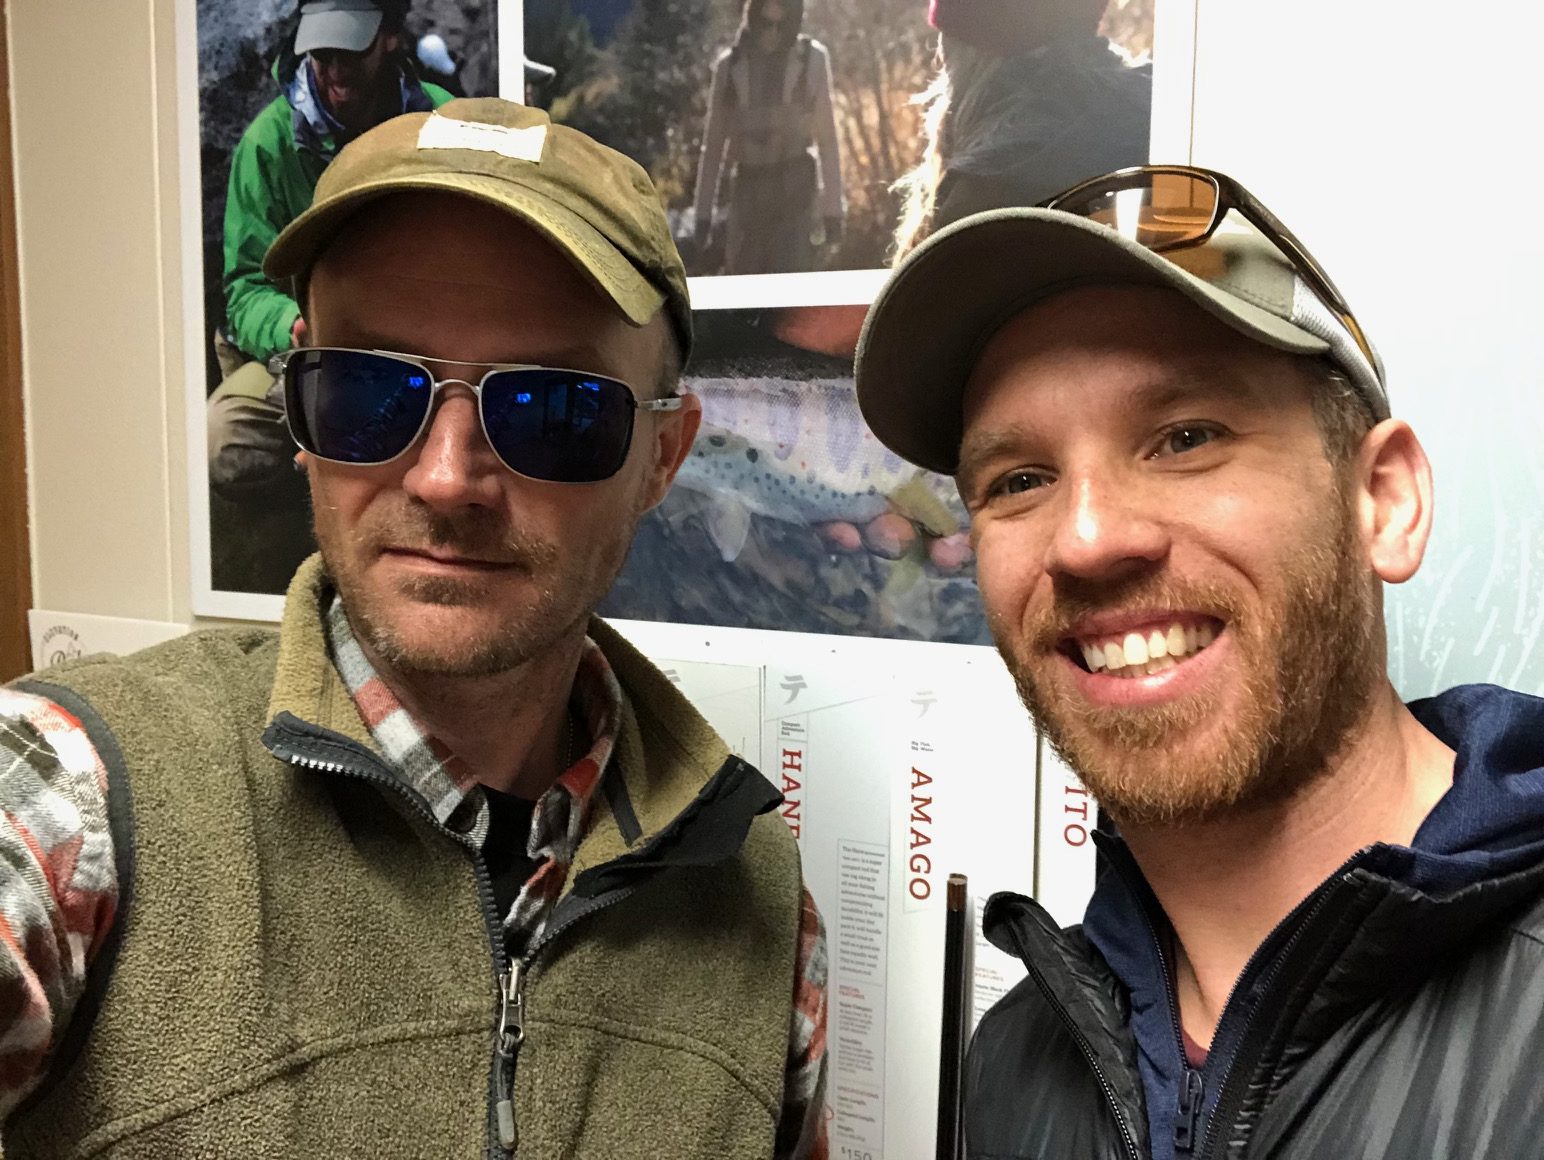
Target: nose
[
  {"x": 454, "y": 467},
  {"x": 1104, "y": 532}
]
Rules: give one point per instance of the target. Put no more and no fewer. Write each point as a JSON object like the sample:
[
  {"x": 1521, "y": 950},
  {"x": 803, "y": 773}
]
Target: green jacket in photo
[{"x": 274, "y": 171}]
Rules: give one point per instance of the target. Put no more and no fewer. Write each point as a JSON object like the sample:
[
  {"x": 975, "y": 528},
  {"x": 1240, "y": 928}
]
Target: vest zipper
[
  {"x": 371, "y": 770},
  {"x": 510, "y": 973},
  {"x": 511, "y": 1030},
  {"x": 1128, "y": 1143},
  {"x": 511, "y": 1035}
]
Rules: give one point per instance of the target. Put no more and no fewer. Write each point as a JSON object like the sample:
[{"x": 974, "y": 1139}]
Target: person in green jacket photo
[{"x": 345, "y": 72}]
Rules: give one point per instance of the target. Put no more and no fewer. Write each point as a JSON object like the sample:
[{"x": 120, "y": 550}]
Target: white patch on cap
[{"x": 525, "y": 144}]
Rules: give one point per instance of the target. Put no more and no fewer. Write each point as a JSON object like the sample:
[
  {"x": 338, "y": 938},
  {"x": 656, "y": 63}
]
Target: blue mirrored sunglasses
[{"x": 367, "y": 407}]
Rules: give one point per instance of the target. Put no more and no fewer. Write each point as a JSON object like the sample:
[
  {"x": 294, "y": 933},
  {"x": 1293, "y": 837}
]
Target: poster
[
  {"x": 798, "y": 136},
  {"x": 240, "y": 80},
  {"x": 788, "y": 513},
  {"x": 800, "y": 146},
  {"x": 900, "y": 763}
]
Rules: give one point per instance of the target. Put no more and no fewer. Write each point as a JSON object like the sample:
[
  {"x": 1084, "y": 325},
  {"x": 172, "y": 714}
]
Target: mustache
[
  {"x": 1075, "y": 600},
  {"x": 478, "y": 534}
]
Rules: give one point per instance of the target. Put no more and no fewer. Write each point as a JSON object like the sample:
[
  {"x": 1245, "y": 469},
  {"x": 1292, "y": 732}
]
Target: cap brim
[
  {"x": 929, "y": 324},
  {"x": 608, "y": 269},
  {"x": 347, "y": 30}
]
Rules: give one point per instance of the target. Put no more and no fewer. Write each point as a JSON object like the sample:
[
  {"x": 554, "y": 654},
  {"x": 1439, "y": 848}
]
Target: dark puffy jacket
[{"x": 1397, "y": 1014}]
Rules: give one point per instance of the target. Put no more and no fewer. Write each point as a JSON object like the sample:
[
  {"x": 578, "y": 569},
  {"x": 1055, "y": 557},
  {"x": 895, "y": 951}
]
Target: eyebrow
[
  {"x": 577, "y": 358},
  {"x": 1204, "y": 383},
  {"x": 982, "y": 449}
]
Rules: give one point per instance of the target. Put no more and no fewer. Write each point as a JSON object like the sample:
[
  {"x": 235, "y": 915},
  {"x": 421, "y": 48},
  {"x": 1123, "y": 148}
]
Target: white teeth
[
  {"x": 1135, "y": 649},
  {"x": 1135, "y": 654}
]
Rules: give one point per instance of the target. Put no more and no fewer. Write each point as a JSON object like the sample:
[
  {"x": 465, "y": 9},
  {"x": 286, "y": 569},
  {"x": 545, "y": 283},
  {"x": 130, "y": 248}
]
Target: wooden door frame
[{"x": 15, "y": 548}]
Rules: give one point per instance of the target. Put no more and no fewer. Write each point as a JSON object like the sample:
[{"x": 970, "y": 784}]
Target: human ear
[
  {"x": 673, "y": 437},
  {"x": 1394, "y": 500}
]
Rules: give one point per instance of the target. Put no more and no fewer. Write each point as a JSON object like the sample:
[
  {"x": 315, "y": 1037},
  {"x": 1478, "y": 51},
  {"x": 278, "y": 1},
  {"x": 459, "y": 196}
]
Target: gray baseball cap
[
  {"x": 349, "y": 25},
  {"x": 950, "y": 295}
]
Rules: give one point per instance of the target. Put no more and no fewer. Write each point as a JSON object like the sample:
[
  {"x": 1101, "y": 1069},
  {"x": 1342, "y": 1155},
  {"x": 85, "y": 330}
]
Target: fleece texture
[{"x": 306, "y": 968}]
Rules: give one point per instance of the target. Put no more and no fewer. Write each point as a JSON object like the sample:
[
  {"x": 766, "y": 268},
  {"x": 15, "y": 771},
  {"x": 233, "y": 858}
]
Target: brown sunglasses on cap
[{"x": 1169, "y": 207}]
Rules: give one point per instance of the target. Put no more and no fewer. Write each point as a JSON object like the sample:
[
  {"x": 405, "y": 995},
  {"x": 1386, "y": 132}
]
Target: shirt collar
[{"x": 429, "y": 767}]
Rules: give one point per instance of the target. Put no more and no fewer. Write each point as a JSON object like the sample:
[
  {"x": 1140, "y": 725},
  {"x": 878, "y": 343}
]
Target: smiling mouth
[{"x": 1141, "y": 652}]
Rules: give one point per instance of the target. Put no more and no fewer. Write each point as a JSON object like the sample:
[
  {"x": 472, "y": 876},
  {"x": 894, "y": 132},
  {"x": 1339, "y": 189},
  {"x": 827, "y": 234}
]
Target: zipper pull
[
  {"x": 511, "y": 1034},
  {"x": 1192, "y": 1092}
]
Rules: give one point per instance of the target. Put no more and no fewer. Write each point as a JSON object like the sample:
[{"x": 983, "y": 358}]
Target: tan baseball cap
[
  {"x": 950, "y": 295},
  {"x": 594, "y": 204}
]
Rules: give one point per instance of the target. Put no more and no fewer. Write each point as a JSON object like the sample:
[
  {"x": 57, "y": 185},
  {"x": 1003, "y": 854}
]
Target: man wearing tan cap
[
  {"x": 442, "y": 867},
  {"x": 1317, "y": 930}
]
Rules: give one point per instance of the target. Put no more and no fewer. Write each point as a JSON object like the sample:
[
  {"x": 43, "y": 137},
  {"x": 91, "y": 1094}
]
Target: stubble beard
[
  {"x": 560, "y": 603},
  {"x": 1309, "y": 667}
]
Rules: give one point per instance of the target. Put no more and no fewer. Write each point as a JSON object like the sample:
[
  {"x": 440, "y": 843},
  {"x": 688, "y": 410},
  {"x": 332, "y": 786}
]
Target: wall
[
  {"x": 95, "y": 116},
  {"x": 1392, "y": 144},
  {"x": 1398, "y": 147}
]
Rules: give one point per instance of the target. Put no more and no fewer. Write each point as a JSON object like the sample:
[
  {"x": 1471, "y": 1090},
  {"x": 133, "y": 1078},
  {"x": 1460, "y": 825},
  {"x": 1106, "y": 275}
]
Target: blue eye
[
  {"x": 523, "y": 397},
  {"x": 417, "y": 381},
  {"x": 1183, "y": 439}
]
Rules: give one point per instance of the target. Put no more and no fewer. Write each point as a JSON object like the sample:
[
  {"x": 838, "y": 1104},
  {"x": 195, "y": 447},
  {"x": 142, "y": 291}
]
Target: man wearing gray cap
[
  {"x": 344, "y": 71},
  {"x": 442, "y": 867},
  {"x": 1317, "y": 926}
]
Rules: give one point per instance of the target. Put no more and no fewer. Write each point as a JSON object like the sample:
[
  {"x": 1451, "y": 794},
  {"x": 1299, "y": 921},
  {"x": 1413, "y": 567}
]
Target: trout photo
[
  {"x": 788, "y": 513},
  {"x": 787, "y": 136}
]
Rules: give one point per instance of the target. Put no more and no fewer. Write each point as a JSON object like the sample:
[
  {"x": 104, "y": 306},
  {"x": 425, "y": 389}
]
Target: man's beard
[
  {"x": 1309, "y": 664},
  {"x": 553, "y": 611}
]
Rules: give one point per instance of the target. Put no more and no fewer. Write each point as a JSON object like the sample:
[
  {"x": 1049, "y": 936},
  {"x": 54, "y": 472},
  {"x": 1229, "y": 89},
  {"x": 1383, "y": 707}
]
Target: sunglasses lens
[
  {"x": 561, "y": 426},
  {"x": 354, "y": 406},
  {"x": 1156, "y": 210}
]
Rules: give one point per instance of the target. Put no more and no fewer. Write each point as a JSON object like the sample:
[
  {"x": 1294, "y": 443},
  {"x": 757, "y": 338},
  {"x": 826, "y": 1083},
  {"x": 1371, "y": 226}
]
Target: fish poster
[{"x": 788, "y": 513}]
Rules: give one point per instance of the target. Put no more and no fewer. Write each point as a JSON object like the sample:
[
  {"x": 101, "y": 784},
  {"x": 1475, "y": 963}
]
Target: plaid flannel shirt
[{"x": 59, "y": 887}]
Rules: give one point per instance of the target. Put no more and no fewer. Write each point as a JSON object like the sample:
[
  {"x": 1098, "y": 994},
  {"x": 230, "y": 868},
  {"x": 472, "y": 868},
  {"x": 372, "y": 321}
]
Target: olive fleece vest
[{"x": 309, "y": 964}]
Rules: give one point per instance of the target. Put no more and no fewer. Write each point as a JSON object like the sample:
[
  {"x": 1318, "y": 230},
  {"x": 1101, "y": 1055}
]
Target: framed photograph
[
  {"x": 270, "y": 90},
  {"x": 800, "y": 146},
  {"x": 792, "y": 138}
]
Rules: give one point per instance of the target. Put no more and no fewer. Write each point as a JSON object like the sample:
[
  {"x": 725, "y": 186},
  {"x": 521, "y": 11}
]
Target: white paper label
[
  {"x": 525, "y": 144},
  {"x": 63, "y": 636}
]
